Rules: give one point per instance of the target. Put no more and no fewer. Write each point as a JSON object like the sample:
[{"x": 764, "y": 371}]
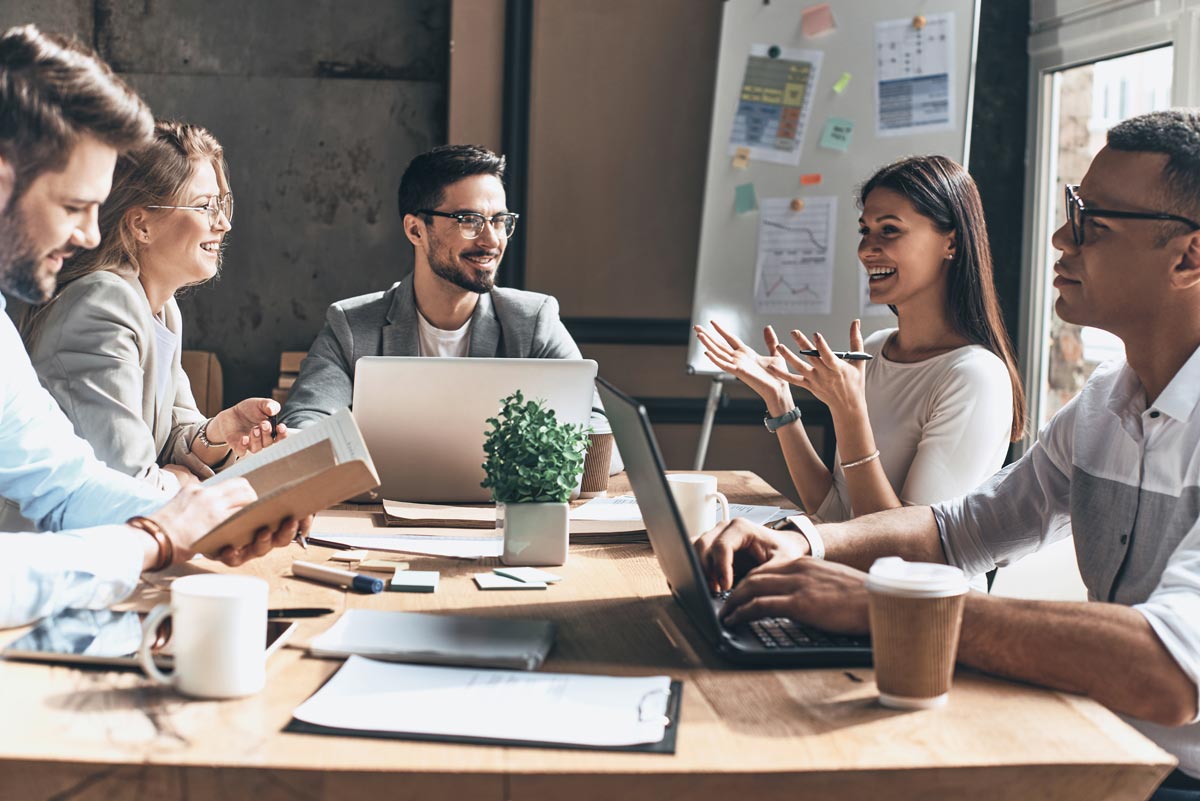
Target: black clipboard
[{"x": 664, "y": 746}]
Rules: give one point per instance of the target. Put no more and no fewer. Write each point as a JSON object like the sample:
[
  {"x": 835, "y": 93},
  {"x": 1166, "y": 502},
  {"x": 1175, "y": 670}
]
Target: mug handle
[
  {"x": 149, "y": 635},
  {"x": 724, "y": 503}
]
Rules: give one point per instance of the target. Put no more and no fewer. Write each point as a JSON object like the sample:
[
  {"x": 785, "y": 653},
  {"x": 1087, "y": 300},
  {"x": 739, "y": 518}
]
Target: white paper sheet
[
  {"x": 430, "y": 545},
  {"x": 914, "y": 85},
  {"x": 491, "y": 704},
  {"x": 625, "y": 508},
  {"x": 793, "y": 274}
]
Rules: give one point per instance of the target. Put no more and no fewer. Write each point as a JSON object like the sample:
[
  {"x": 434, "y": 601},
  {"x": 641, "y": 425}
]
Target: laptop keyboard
[{"x": 782, "y": 632}]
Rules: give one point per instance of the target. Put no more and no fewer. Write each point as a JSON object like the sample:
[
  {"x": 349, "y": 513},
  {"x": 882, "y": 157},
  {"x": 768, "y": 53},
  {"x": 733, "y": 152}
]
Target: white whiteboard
[{"x": 729, "y": 241}]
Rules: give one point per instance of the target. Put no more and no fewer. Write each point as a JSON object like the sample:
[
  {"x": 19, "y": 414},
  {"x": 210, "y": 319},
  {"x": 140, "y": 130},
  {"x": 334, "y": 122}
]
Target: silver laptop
[{"x": 425, "y": 419}]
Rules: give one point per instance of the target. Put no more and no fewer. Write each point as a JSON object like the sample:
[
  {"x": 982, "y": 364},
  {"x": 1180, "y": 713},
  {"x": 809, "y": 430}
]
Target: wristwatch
[{"x": 773, "y": 424}]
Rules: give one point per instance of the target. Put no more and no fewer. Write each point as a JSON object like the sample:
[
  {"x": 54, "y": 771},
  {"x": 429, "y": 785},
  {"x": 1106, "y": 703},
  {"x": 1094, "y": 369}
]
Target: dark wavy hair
[{"x": 942, "y": 191}]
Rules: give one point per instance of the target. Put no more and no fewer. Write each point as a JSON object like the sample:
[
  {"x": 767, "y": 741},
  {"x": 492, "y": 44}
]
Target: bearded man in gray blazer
[{"x": 455, "y": 214}]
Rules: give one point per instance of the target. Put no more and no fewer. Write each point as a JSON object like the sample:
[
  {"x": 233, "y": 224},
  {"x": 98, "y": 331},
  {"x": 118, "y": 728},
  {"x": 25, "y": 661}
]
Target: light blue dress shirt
[{"x": 55, "y": 478}]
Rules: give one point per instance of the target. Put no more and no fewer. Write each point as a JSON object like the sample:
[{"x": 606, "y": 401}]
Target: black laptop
[{"x": 767, "y": 642}]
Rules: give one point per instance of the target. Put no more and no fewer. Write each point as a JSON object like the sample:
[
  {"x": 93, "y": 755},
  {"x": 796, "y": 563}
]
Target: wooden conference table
[{"x": 785, "y": 734}]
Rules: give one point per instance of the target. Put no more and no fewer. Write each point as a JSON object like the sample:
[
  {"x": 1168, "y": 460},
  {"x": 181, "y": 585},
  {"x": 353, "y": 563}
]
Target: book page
[{"x": 339, "y": 430}]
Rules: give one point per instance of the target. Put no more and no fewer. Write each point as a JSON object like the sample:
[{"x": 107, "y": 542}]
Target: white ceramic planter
[{"x": 535, "y": 534}]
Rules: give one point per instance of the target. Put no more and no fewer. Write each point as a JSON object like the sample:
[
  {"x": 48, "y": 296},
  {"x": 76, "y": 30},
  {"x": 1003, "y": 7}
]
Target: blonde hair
[{"x": 152, "y": 175}]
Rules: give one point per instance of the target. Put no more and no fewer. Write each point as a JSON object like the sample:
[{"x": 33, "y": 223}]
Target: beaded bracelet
[
  {"x": 862, "y": 461},
  {"x": 166, "y": 548}
]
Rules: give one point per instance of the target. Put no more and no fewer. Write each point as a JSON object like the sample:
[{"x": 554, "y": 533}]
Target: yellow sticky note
[
  {"x": 810, "y": 179},
  {"x": 816, "y": 20},
  {"x": 842, "y": 83},
  {"x": 741, "y": 158}
]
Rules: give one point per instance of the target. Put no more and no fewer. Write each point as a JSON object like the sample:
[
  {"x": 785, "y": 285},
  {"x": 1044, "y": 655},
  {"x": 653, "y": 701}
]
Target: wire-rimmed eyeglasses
[
  {"x": 216, "y": 206},
  {"x": 470, "y": 223},
  {"x": 1076, "y": 212}
]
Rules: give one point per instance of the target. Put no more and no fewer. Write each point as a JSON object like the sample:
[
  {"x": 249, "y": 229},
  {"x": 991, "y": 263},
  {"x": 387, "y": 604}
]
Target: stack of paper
[{"x": 493, "y": 706}]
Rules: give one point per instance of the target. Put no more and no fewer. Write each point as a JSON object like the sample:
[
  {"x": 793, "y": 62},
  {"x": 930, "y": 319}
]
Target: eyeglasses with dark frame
[
  {"x": 216, "y": 206},
  {"x": 1076, "y": 212},
  {"x": 470, "y": 223}
]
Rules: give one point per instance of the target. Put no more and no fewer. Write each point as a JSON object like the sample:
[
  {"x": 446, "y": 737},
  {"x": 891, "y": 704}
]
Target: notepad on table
[{"x": 437, "y": 639}]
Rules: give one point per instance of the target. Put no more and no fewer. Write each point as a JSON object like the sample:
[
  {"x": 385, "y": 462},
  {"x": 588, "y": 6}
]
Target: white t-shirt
[
  {"x": 942, "y": 425},
  {"x": 165, "y": 341},
  {"x": 433, "y": 341}
]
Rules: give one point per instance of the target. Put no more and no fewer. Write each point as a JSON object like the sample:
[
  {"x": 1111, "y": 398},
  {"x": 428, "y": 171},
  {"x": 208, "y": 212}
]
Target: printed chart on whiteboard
[
  {"x": 914, "y": 88},
  {"x": 775, "y": 103},
  {"x": 794, "y": 271}
]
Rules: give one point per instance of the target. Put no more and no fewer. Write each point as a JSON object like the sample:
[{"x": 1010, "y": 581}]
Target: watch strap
[
  {"x": 808, "y": 530},
  {"x": 773, "y": 424}
]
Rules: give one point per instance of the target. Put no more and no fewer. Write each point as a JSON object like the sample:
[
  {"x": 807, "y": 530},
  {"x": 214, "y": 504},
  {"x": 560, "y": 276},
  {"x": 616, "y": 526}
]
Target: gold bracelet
[
  {"x": 166, "y": 547},
  {"x": 862, "y": 461}
]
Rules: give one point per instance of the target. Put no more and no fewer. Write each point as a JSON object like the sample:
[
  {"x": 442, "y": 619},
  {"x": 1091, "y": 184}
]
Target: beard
[
  {"x": 19, "y": 261},
  {"x": 447, "y": 270}
]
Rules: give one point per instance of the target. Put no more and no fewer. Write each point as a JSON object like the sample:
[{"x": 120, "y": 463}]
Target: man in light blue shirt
[{"x": 65, "y": 119}]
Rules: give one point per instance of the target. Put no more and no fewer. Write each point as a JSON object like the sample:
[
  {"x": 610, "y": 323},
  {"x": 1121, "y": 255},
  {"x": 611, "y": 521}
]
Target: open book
[{"x": 311, "y": 470}]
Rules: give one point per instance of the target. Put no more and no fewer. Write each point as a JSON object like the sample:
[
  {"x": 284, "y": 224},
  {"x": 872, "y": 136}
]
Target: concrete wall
[{"x": 320, "y": 105}]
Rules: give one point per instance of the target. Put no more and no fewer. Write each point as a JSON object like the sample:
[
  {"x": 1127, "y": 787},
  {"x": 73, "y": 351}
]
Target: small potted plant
[{"x": 533, "y": 464}]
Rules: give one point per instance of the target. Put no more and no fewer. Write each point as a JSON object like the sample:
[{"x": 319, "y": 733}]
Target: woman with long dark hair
[{"x": 931, "y": 415}]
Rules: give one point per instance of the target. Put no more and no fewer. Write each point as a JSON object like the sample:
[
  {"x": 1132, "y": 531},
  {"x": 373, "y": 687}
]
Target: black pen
[
  {"x": 848, "y": 355},
  {"x": 303, "y": 612},
  {"x": 274, "y": 426}
]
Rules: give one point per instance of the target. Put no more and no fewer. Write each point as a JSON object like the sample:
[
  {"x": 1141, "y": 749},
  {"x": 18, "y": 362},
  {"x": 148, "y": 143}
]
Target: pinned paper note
[
  {"x": 817, "y": 20},
  {"x": 810, "y": 179},
  {"x": 744, "y": 199},
  {"x": 741, "y": 158},
  {"x": 842, "y": 83},
  {"x": 837, "y": 133}
]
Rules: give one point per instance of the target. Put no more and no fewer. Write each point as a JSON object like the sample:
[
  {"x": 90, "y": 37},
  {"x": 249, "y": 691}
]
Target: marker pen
[{"x": 337, "y": 577}]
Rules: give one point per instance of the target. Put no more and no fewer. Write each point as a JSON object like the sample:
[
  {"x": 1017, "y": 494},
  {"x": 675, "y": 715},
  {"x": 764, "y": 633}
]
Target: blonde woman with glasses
[{"x": 108, "y": 345}]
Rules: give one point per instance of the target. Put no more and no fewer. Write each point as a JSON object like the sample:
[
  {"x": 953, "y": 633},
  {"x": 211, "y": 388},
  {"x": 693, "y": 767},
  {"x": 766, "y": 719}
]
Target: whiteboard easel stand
[{"x": 710, "y": 416}]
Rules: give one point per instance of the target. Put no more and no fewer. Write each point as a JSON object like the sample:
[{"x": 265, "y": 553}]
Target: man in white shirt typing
[
  {"x": 65, "y": 119},
  {"x": 1119, "y": 467}
]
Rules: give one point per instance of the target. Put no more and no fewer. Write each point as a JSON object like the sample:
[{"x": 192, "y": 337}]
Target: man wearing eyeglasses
[
  {"x": 1119, "y": 467},
  {"x": 456, "y": 216}
]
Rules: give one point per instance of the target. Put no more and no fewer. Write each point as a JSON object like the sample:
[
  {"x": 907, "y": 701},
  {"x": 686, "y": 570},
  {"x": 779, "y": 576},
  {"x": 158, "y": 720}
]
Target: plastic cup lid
[{"x": 894, "y": 575}]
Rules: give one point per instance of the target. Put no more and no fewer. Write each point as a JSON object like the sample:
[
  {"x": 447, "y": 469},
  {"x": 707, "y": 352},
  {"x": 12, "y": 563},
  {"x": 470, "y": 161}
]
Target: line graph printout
[
  {"x": 775, "y": 103},
  {"x": 794, "y": 271}
]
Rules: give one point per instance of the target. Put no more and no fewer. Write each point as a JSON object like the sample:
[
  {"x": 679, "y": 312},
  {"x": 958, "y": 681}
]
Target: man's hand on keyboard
[
  {"x": 733, "y": 549},
  {"x": 828, "y": 595}
]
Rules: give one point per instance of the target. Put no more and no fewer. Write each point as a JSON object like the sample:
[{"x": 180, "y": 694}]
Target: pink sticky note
[{"x": 816, "y": 20}]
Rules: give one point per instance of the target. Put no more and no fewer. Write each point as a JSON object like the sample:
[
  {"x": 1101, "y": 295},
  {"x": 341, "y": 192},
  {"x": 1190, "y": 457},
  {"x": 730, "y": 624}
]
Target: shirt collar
[
  {"x": 3, "y": 302},
  {"x": 1179, "y": 399}
]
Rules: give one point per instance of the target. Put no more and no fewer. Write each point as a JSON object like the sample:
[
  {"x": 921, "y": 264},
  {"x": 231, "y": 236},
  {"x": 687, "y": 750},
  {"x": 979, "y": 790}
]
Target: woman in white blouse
[
  {"x": 108, "y": 345},
  {"x": 931, "y": 415}
]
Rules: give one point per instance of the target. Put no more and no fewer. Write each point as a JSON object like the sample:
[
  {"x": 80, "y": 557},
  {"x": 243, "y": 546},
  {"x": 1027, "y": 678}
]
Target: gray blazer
[
  {"x": 94, "y": 348},
  {"x": 507, "y": 323}
]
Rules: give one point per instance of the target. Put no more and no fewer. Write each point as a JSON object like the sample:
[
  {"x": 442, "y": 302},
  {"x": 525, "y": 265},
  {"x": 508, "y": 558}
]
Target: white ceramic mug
[
  {"x": 218, "y": 636},
  {"x": 697, "y": 499}
]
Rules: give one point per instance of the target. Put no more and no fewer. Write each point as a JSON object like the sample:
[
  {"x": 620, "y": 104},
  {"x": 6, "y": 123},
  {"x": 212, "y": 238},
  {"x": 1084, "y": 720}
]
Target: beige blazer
[{"x": 94, "y": 348}]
